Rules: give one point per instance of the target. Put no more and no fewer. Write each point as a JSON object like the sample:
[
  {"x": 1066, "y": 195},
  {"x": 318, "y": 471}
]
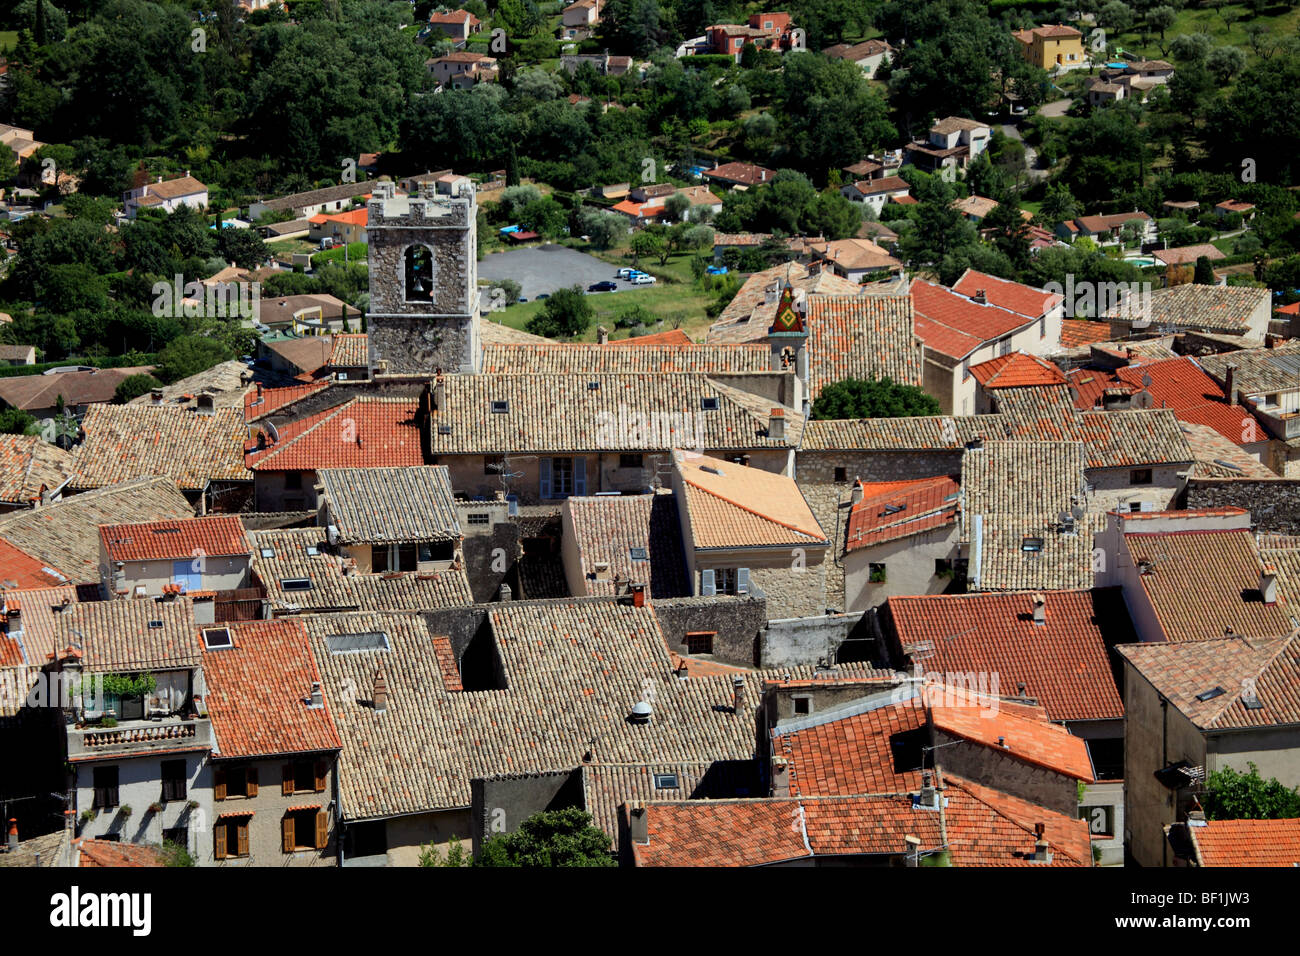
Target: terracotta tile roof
[
  {"x": 1247, "y": 842},
  {"x": 953, "y": 322},
  {"x": 47, "y": 850},
  {"x": 117, "y": 635},
  {"x": 1064, "y": 562},
  {"x": 1028, "y": 737},
  {"x": 331, "y": 590},
  {"x": 604, "y": 418},
  {"x": 1014, "y": 296},
  {"x": 977, "y": 207},
  {"x": 174, "y": 188},
  {"x": 1016, "y": 477},
  {"x": 890, "y": 510},
  {"x": 988, "y": 828},
  {"x": 900, "y": 434},
  {"x": 355, "y": 217},
  {"x": 65, "y": 534},
  {"x": 1259, "y": 371},
  {"x": 864, "y": 336},
  {"x": 1267, "y": 668},
  {"x": 669, "y": 337},
  {"x": 956, "y": 124},
  {"x": 260, "y": 403},
  {"x": 395, "y": 505},
  {"x": 857, "y": 51},
  {"x": 1185, "y": 254},
  {"x": 744, "y": 173},
  {"x": 559, "y": 359},
  {"x": 40, "y": 609},
  {"x": 1106, "y": 223},
  {"x": 749, "y": 314},
  {"x": 39, "y": 392},
  {"x": 105, "y": 853},
  {"x": 731, "y": 506},
  {"x": 259, "y": 693},
  {"x": 307, "y": 354},
  {"x": 1228, "y": 205},
  {"x": 1111, "y": 439},
  {"x": 215, "y": 536},
  {"x": 1063, "y": 663},
  {"x": 224, "y": 383},
  {"x": 366, "y": 432},
  {"x": 1017, "y": 370},
  {"x": 27, "y": 463},
  {"x": 606, "y": 529},
  {"x": 1202, "y": 582},
  {"x": 18, "y": 569},
  {"x": 123, "y": 442},
  {"x": 349, "y": 351},
  {"x": 1076, "y": 333},
  {"x": 1192, "y": 306}
]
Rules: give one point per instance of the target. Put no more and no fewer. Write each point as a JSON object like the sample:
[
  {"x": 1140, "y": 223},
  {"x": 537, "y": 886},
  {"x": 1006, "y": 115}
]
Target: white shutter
[
  {"x": 580, "y": 476},
  {"x": 707, "y": 587},
  {"x": 742, "y": 580},
  {"x": 1148, "y": 506},
  {"x": 544, "y": 479}
]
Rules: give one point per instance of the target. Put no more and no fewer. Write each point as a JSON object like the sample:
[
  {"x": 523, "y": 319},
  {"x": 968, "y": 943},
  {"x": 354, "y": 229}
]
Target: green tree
[
  {"x": 190, "y": 354},
  {"x": 549, "y": 839},
  {"x": 566, "y": 314},
  {"x": 872, "y": 398},
  {"x": 1161, "y": 18},
  {"x": 243, "y": 247},
  {"x": 456, "y": 855},
  {"x": 1224, "y": 63},
  {"x": 1231, "y": 795},
  {"x": 1116, "y": 16},
  {"x": 676, "y": 206},
  {"x": 1204, "y": 272},
  {"x": 646, "y": 244},
  {"x": 133, "y": 386},
  {"x": 15, "y": 421}
]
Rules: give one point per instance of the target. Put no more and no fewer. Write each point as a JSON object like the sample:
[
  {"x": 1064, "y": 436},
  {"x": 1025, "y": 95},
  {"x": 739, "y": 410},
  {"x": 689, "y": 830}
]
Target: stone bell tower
[{"x": 424, "y": 300}]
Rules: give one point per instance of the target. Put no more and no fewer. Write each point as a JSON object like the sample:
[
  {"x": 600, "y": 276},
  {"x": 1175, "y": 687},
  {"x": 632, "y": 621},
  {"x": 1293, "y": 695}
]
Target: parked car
[
  {"x": 522, "y": 298},
  {"x": 606, "y": 286},
  {"x": 627, "y": 273},
  {"x": 544, "y": 295},
  {"x": 642, "y": 279}
]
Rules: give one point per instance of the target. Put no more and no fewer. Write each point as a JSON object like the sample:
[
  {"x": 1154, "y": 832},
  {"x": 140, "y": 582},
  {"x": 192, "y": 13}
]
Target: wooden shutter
[
  {"x": 322, "y": 771},
  {"x": 251, "y": 777},
  {"x": 286, "y": 780},
  {"x": 707, "y": 587},
  {"x": 544, "y": 477},
  {"x": 219, "y": 841},
  {"x": 243, "y": 837},
  {"x": 580, "y": 477},
  {"x": 219, "y": 784},
  {"x": 322, "y": 829},
  {"x": 286, "y": 830}
]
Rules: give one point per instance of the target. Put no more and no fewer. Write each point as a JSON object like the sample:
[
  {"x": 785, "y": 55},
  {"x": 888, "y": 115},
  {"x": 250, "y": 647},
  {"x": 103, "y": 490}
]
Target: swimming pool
[{"x": 1141, "y": 262}]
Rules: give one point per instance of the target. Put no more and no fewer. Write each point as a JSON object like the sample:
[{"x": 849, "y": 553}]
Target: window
[
  {"x": 1031, "y": 545},
  {"x": 105, "y": 788},
  {"x": 1004, "y": 347},
  {"x": 392, "y": 557},
  {"x": 1139, "y": 476},
  {"x": 178, "y": 835},
  {"x": 216, "y": 638},
  {"x": 725, "y": 580},
  {"x": 479, "y": 517},
  {"x": 709, "y": 404},
  {"x": 305, "y": 828},
  {"x": 561, "y": 477},
  {"x": 292, "y": 480},
  {"x": 876, "y": 573},
  {"x": 943, "y": 568},
  {"x": 638, "y": 554},
  {"x": 630, "y": 461},
  {"x": 303, "y": 776},
  {"x": 234, "y": 782},
  {"x": 230, "y": 837},
  {"x": 802, "y": 705},
  {"x": 1134, "y": 507},
  {"x": 666, "y": 781},
  {"x": 700, "y": 642},
  {"x": 841, "y": 475},
  {"x": 173, "y": 780},
  {"x": 500, "y": 408},
  {"x": 494, "y": 464}
]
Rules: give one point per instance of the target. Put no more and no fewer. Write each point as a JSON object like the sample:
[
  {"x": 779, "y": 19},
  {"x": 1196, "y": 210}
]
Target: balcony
[{"x": 139, "y": 737}]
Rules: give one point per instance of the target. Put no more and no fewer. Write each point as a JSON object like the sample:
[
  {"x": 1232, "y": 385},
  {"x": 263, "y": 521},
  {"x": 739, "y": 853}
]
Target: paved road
[{"x": 541, "y": 269}]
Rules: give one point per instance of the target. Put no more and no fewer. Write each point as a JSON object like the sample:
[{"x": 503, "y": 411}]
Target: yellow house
[{"x": 1052, "y": 46}]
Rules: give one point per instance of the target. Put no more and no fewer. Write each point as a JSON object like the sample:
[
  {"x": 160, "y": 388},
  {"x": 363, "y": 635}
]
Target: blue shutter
[
  {"x": 580, "y": 476},
  {"x": 742, "y": 581},
  {"x": 544, "y": 478},
  {"x": 707, "y": 587}
]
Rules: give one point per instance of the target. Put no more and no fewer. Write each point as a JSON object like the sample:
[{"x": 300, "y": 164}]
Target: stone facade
[
  {"x": 1274, "y": 504},
  {"x": 736, "y": 623},
  {"x": 411, "y": 331}
]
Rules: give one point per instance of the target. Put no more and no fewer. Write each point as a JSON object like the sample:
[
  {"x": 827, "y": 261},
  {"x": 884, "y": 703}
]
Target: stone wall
[
  {"x": 737, "y": 622},
  {"x": 1274, "y": 504},
  {"x": 792, "y": 643},
  {"x": 988, "y": 766},
  {"x": 420, "y": 345},
  {"x": 793, "y": 592},
  {"x": 500, "y": 804}
]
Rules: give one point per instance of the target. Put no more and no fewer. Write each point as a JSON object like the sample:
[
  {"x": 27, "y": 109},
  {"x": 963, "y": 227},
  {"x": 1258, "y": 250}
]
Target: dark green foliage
[
  {"x": 549, "y": 839},
  {"x": 15, "y": 421},
  {"x": 872, "y": 398},
  {"x": 566, "y": 314},
  {"x": 189, "y": 355},
  {"x": 133, "y": 386},
  {"x": 1247, "y": 796}
]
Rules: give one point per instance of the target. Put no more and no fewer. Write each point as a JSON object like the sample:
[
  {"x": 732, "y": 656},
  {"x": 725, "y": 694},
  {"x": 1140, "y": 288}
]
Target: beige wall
[
  {"x": 909, "y": 568},
  {"x": 269, "y": 808},
  {"x": 217, "y": 574},
  {"x": 272, "y": 495},
  {"x": 408, "y": 835},
  {"x": 1112, "y": 486}
]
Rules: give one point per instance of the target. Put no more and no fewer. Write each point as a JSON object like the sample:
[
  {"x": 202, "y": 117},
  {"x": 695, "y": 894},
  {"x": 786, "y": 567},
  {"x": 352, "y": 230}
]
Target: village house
[
  {"x": 166, "y": 196},
  {"x": 1108, "y": 230},
  {"x": 459, "y": 25},
  {"x": 579, "y": 17},
  {"x": 952, "y": 143},
  {"x": 33, "y": 472},
  {"x": 770, "y": 31},
  {"x": 875, "y": 193},
  {"x": 1052, "y": 47},
  {"x": 869, "y": 55},
  {"x": 341, "y": 227},
  {"x": 738, "y": 175},
  {"x": 151, "y": 559},
  {"x": 462, "y": 69},
  {"x": 614, "y": 542}
]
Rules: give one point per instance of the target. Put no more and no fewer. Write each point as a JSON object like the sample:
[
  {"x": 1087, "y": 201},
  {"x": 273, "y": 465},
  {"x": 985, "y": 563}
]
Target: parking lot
[{"x": 543, "y": 269}]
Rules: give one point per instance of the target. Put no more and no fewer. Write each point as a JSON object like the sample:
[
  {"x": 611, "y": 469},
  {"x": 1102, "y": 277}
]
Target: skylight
[
  {"x": 500, "y": 408},
  {"x": 217, "y": 638},
  {"x": 268, "y": 552},
  {"x": 666, "y": 781},
  {"x": 357, "y": 643},
  {"x": 295, "y": 584},
  {"x": 1210, "y": 694}
]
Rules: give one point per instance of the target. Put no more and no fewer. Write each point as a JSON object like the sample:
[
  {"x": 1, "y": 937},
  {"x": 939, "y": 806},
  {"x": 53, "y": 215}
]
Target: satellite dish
[
  {"x": 272, "y": 431},
  {"x": 1146, "y": 379}
]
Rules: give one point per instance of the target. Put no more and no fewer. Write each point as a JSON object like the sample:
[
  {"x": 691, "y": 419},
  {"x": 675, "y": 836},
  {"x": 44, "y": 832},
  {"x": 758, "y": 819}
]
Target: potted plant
[
  {"x": 108, "y": 721},
  {"x": 191, "y": 805},
  {"x": 155, "y": 807},
  {"x": 88, "y": 815},
  {"x": 125, "y": 811}
]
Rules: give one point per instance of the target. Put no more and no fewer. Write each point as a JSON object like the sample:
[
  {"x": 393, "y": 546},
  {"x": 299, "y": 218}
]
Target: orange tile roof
[
  {"x": 351, "y": 350},
  {"x": 989, "y": 828},
  {"x": 671, "y": 337},
  {"x": 103, "y": 853},
  {"x": 1063, "y": 664},
  {"x": 256, "y": 693},
  {"x": 947, "y": 312},
  {"x": 733, "y": 506},
  {"x": 1247, "y": 842},
  {"x": 18, "y": 569},
  {"x": 1202, "y": 582},
  {"x": 1079, "y": 332},
  {"x": 361, "y": 433},
  {"x": 1032, "y": 739},
  {"x": 851, "y": 755},
  {"x": 1017, "y": 370},
  {"x": 214, "y": 535},
  {"x": 263, "y": 401},
  {"x": 356, "y": 217},
  {"x": 1015, "y": 296},
  {"x": 925, "y": 503}
]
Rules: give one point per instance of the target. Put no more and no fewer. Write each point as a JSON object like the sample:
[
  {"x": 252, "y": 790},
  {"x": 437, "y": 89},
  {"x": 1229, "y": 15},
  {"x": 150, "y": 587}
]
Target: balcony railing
[{"x": 139, "y": 736}]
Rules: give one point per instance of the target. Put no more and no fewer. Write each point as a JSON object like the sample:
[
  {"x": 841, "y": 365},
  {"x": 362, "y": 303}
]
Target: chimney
[
  {"x": 1230, "y": 384},
  {"x": 929, "y": 796},
  {"x": 737, "y": 694},
  {"x": 780, "y": 777},
  {"x": 602, "y": 335},
  {"x": 1040, "y": 609},
  {"x": 911, "y": 850},
  {"x": 506, "y": 594},
  {"x": 15, "y": 619},
  {"x": 770, "y": 294},
  {"x": 638, "y": 595},
  {"x": 639, "y": 826},
  {"x": 13, "y": 834},
  {"x": 1042, "y": 852},
  {"x": 981, "y": 297},
  {"x": 855, "y": 497},
  {"x": 317, "y": 698},
  {"x": 439, "y": 394},
  {"x": 156, "y": 395},
  {"x": 1270, "y": 341},
  {"x": 205, "y": 406},
  {"x": 1268, "y": 584},
  {"x": 380, "y": 699},
  {"x": 1020, "y": 689},
  {"x": 776, "y": 424}
]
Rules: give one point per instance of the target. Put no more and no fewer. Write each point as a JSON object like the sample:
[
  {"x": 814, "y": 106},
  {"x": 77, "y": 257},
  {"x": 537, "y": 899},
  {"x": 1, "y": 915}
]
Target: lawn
[
  {"x": 1280, "y": 22},
  {"x": 8, "y": 39}
]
